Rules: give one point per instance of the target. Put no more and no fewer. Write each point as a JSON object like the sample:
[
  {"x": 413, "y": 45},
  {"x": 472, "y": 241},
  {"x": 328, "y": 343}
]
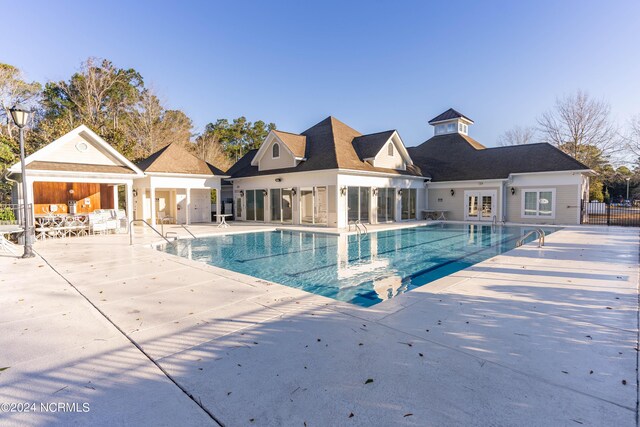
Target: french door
[
  {"x": 281, "y": 202},
  {"x": 409, "y": 203},
  {"x": 314, "y": 205},
  {"x": 358, "y": 202},
  {"x": 255, "y": 205},
  {"x": 386, "y": 205},
  {"x": 479, "y": 205}
]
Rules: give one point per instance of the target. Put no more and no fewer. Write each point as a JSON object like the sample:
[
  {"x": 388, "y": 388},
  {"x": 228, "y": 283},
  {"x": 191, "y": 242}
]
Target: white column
[
  {"x": 188, "y": 207},
  {"x": 152, "y": 195},
  {"x": 115, "y": 196},
  {"x": 129, "y": 202},
  {"x": 218, "y": 200}
]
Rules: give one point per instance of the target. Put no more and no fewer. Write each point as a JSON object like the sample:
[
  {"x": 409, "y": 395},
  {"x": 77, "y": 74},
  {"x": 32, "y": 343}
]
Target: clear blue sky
[{"x": 373, "y": 65}]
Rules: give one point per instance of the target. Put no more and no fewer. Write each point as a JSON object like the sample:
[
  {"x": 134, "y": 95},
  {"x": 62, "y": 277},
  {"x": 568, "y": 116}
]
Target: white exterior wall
[
  {"x": 440, "y": 198},
  {"x": 334, "y": 180},
  {"x": 93, "y": 154},
  {"x": 397, "y": 182},
  {"x": 187, "y": 196},
  {"x": 286, "y": 159},
  {"x": 384, "y": 160},
  {"x": 569, "y": 188}
]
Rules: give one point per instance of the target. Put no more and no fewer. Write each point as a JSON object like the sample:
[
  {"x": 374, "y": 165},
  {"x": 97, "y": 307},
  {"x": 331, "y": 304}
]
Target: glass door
[
  {"x": 386, "y": 205},
  {"x": 251, "y": 205},
  {"x": 409, "y": 203},
  {"x": 255, "y": 205},
  {"x": 275, "y": 202},
  {"x": 287, "y": 204},
  {"x": 358, "y": 203},
  {"x": 479, "y": 205},
  {"x": 320, "y": 205},
  {"x": 306, "y": 205}
]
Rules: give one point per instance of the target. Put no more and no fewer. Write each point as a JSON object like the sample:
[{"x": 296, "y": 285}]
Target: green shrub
[{"x": 6, "y": 214}]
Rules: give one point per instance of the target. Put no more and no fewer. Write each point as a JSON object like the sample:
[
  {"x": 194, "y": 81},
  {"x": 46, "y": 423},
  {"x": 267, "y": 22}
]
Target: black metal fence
[{"x": 600, "y": 213}]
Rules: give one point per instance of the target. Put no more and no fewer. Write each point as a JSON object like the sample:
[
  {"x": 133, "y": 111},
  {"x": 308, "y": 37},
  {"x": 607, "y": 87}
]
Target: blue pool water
[{"x": 362, "y": 271}]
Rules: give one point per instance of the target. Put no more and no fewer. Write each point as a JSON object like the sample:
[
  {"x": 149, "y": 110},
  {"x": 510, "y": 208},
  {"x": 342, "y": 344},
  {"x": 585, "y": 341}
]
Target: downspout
[{"x": 504, "y": 200}]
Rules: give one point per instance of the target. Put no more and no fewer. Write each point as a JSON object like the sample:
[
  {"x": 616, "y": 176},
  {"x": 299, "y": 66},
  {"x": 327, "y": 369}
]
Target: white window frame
[
  {"x": 523, "y": 191},
  {"x": 272, "y": 148},
  {"x": 390, "y": 152}
]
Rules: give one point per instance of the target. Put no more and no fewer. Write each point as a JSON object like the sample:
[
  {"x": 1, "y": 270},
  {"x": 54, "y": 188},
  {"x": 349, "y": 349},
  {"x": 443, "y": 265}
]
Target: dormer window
[
  {"x": 390, "y": 149},
  {"x": 275, "y": 151}
]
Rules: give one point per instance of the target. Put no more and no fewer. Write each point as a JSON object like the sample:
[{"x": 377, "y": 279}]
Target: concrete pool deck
[{"x": 530, "y": 337}]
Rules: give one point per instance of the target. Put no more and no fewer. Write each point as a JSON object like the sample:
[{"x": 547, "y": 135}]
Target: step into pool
[{"x": 362, "y": 270}]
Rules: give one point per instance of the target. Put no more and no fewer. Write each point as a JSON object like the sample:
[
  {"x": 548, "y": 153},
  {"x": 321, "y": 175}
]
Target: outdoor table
[
  {"x": 437, "y": 213},
  {"x": 223, "y": 221}
]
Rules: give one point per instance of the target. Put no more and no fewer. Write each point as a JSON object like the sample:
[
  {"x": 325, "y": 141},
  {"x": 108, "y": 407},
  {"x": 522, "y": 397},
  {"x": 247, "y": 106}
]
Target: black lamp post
[{"x": 20, "y": 115}]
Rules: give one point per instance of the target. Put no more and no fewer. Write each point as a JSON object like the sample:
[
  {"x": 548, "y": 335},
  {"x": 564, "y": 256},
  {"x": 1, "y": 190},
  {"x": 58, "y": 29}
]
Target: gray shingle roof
[
  {"x": 329, "y": 145},
  {"x": 449, "y": 115},
  {"x": 456, "y": 157},
  {"x": 367, "y": 146}
]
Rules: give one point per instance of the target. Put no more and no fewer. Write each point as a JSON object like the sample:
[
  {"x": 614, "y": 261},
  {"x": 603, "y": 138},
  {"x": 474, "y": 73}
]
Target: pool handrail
[
  {"x": 148, "y": 225},
  {"x": 539, "y": 233}
]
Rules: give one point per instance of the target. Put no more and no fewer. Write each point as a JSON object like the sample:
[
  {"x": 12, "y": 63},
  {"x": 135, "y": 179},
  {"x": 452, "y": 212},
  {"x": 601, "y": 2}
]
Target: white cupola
[{"x": 450, "y": 122}]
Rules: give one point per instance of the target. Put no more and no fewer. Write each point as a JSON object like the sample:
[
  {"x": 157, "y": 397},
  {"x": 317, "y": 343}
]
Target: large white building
[{"x": 332, "y": 175}]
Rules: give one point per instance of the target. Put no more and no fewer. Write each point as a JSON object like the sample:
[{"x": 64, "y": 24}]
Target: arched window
[
  {"x": 390, "y": 149},
  {"x": 275, "y": 150}
]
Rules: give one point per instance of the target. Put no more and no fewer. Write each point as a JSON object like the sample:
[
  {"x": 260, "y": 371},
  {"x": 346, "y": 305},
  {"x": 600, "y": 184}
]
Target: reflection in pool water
[{"x": 362, "y": 270}]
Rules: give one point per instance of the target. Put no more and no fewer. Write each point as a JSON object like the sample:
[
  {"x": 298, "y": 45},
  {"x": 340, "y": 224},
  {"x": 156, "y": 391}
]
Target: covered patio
[
  {"x": 177, "y": 188},
  {"x": 76, "y": 184}
]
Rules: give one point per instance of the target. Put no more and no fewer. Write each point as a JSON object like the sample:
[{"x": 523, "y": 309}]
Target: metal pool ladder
[
  {"x": 539, "y": 233},
  {"x": 357, "y": 224}
]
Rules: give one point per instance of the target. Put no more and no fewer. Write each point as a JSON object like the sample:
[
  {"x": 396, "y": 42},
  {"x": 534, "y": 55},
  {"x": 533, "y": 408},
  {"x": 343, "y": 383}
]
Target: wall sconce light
[
  {"x": 241, "y": 193},
  {"x": 400, "y": 192},
  {"x": 278, "y": 179},
  {"x": 293, "y": 192},
  {"x": 453, "y": 192},
  {"x": 71, "y": 191},
  {"x": 343, "y": 191},
  {"x": 265, "y": 192},
  {"x": 375, "y": 191},
  {"x": 513, "y": 191},
  {"x": 135, "y": 192}
]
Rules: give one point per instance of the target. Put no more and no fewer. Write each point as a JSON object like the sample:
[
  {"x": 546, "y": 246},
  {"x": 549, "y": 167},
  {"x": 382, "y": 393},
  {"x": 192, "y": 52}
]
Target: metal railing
[
  {"x": 163, "y": 222},
  {"x": 188, "y": 231},
  {"x": 539, "y": 234},
  {"x": 148, "y": 225}
]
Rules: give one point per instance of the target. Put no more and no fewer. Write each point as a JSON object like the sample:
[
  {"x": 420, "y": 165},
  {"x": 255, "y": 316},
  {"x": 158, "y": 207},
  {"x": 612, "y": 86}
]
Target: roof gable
[
  {"x": 175, "y": 159},
  {"x": 295, "y": 144},
  {"x": 79, "y": 147}
]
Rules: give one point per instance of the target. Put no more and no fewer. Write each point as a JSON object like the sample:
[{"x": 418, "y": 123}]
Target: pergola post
[
  {"x": 129, "y": 202},
  {"x": 152, "y": 195},
  {"x": 218, "y": 201},
  {"x": 187, "y": 213},
  {"x": 115, "y": 196}
]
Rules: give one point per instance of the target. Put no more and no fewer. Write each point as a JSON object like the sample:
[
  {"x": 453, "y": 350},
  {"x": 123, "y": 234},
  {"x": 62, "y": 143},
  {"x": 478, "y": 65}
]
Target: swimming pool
[{"x": 362, "y": 270}]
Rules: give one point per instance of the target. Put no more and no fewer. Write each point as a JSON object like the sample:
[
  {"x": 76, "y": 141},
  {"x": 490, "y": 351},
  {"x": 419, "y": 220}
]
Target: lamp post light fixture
[
  {"x": 20, "y": 115},
  {"x": 628, "y": 188}
]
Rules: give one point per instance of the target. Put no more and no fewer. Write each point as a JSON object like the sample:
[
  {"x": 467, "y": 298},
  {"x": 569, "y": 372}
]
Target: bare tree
[
  {"x": 581, "y": 127},
  {"x": 208, "y": 147},
  {"x": 633, "y": 136},
  {"x": 517, "y": 136},
  {"x": 14, "y": 90}
]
